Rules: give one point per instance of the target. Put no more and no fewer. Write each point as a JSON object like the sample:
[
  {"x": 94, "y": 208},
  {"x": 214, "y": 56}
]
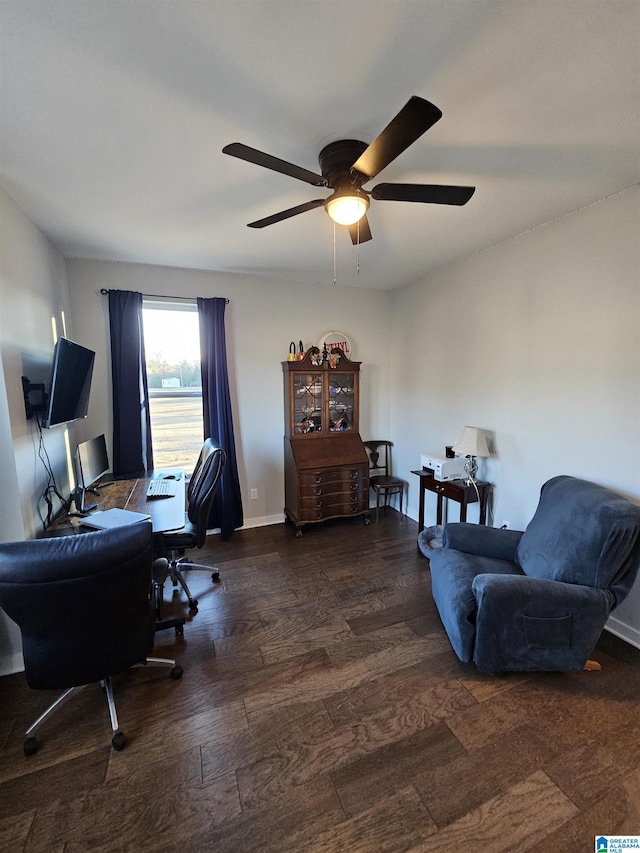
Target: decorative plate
[{"x": 336, "y": 340}]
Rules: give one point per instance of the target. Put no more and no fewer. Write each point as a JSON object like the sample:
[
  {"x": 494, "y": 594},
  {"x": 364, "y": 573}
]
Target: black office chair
[
  {"x": 383, "y": 483},
  {"x": 84, "y": 605},
  {"x": 201, "y": 491}
]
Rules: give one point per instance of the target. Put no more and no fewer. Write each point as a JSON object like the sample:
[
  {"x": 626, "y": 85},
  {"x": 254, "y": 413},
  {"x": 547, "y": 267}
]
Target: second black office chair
[
  {"x": 201, "y": 491},
  {"x": 383, "y": 483}
]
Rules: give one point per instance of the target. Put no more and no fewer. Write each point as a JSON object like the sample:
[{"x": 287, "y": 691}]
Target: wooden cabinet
[{"x": 325, "y": 462}]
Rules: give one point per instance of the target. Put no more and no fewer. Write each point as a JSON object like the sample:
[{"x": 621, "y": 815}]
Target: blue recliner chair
[{"x": 538, "y": 599}]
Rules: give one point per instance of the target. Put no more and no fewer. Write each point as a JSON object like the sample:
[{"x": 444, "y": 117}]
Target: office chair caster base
[
  {"x": 176, "y": 673},
  {"x": 30, "y": 746},
  {"x": 177, "y": 623},
  {"x": 193, "y": 605},
  {"x": 119, "y": 741},
  {"x": 215, "y": 576}
]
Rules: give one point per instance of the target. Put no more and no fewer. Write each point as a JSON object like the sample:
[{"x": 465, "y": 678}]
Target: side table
[{"x": 456, "y": 490}]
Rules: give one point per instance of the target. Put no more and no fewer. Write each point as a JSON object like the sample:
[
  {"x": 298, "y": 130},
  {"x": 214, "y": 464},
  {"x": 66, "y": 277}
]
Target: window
[{"x": 172, "y": 350}]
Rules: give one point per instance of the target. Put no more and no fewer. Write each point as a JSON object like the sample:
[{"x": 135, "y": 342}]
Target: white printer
[{"x": 443, "y": 468}]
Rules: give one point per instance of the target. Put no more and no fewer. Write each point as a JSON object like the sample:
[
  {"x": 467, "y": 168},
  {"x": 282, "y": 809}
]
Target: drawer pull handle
[
  {"x": 317, "y": 479},
  {"x": 317, "y": 491}
]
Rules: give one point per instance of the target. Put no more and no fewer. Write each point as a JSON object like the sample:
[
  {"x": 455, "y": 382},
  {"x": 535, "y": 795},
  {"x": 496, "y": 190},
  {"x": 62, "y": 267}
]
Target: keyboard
[{"x": 162, "y": 489}]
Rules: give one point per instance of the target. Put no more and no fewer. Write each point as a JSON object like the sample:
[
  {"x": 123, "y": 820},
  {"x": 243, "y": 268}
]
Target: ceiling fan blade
[
  {"x": 360, "y": 231},
  {"x": 427, "y": 193},
  {"x": 286, "y": 214},
  {"x": 252, "y": 155},
  {"x": 416, "y": 117}
]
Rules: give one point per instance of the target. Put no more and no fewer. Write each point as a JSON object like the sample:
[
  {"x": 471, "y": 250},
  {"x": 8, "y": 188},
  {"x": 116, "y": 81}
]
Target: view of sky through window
[
  {"x": 172, "y": 350},
  {"x": 171, "y": 335}
]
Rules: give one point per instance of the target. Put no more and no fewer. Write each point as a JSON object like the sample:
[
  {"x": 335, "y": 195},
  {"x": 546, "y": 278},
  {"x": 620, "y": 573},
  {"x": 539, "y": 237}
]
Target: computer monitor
[{"x": 91, "y": 462}]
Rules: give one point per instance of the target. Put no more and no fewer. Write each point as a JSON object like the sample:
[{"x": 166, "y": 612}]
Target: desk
[
  {"x": 456, "y": 490},
  {"x": 166, "y": 513}
]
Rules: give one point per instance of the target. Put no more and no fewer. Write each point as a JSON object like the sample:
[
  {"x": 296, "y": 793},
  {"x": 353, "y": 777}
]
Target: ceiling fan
[{"x": 348, "y": 164}]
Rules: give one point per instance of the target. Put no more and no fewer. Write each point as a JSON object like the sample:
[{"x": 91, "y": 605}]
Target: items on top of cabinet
[{"x": 292, "y": 351}]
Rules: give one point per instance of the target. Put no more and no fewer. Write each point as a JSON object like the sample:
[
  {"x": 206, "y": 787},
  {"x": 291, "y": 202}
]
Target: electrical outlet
[
  {"x": 505, "y": 525},
  {"x": 254, "y": 494}
]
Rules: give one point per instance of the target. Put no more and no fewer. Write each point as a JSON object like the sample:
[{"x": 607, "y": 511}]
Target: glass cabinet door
[
  {"x": 341, "y": 401},
  {"x": 307, "y": 403}
]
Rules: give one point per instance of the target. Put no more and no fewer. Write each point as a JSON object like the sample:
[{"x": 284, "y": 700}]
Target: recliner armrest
[{"x": 481, "y": 540}]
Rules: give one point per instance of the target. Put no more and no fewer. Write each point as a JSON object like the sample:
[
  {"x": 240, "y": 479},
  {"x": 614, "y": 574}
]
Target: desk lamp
[{"x": 472, "y": 443}]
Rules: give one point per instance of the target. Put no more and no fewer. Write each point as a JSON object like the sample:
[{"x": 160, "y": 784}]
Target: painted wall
[
  {"x": 33, "y": 291},
  {"x": 262, "y": 317},
  {"x": 537, "y": 340}
]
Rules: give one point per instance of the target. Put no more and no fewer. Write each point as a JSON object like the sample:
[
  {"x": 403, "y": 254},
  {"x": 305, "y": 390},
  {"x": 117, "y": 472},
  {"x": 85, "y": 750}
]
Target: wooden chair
[{"x": 383, "y": 483}]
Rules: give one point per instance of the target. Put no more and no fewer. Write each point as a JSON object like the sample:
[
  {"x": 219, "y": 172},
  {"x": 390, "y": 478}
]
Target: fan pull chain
[
  {"x": 334, "y": 253},
  {"x": 358, "y": 251}
]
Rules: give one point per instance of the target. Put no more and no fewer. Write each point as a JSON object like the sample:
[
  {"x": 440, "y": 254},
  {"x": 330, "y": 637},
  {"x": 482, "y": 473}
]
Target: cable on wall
[{"x": 51, "y": 487}]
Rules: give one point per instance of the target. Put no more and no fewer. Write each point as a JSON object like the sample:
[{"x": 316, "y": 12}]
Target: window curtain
[
  {"x": 226, "y": 512},
  {"x": 132, "y": 452}
]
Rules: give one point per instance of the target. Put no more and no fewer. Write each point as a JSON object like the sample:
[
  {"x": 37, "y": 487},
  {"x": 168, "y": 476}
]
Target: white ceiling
[{"x": 114, "y": 115}]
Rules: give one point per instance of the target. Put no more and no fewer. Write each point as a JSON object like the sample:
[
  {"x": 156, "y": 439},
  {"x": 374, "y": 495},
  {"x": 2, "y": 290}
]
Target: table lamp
[{"x": 472, "y": 443}]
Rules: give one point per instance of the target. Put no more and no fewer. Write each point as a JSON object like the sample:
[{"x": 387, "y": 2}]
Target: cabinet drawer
[
  {"x": 332, "y": 476},
  {"x": 344, "y": 499},
  {"x": 451, "y": 489},
  {"x": 327, "y": 508},
  {"x": 334, "y": 491}
]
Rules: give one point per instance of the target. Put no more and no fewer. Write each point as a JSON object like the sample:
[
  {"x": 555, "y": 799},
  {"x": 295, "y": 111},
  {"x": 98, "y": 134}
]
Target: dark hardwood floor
[{"x": 322, "y": 709}]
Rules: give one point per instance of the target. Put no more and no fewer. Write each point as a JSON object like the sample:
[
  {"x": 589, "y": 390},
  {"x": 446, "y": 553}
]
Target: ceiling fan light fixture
[{"x": 346, "y": 207}]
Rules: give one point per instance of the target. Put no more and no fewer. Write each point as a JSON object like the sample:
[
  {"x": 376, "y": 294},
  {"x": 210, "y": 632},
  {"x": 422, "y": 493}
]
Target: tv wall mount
[{"x": 36, "y": 404}]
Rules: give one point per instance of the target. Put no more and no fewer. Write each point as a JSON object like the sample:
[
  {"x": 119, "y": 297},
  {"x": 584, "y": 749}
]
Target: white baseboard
[
  {"x": 624, "y": 631},
  {"x": 263, "y": 521}
]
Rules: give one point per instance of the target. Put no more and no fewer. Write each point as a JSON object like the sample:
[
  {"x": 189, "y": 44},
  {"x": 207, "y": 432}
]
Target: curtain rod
[{"x": 104, "y": 291}]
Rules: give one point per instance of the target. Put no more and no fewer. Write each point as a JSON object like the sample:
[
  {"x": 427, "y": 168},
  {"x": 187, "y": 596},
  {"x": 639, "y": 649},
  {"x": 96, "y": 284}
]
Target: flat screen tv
[{"x": 70, "y": 383}]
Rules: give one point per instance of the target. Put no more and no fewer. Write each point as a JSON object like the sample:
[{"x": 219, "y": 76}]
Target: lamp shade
[
  {"x": 472, "y": 442},
  {"x": 347, "y": 206}
]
